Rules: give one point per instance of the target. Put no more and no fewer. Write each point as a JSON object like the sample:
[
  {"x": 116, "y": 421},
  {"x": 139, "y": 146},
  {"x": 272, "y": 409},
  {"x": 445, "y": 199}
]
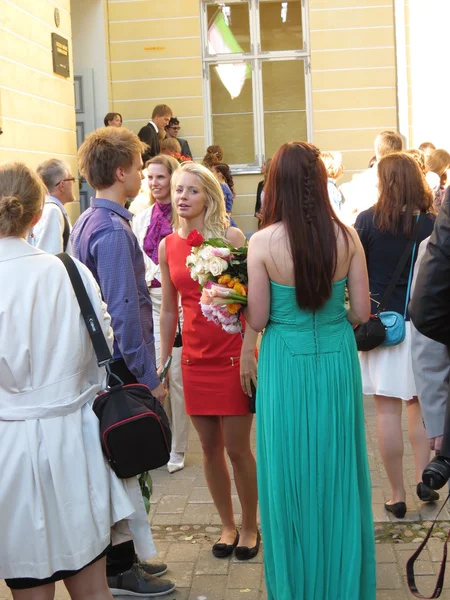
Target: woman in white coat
[
  {"x": 58, "y": 496},
  {"x": 150, "y": 227}
]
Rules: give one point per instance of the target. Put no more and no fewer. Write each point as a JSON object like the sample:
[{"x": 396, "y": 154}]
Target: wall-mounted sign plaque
[{"x": 60, "y": 51}]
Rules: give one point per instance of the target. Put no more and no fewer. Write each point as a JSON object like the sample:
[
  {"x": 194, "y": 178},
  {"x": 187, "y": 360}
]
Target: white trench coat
[{"x": 58, "y": 496}]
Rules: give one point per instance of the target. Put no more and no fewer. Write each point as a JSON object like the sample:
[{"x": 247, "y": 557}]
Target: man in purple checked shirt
[{"x": 103, "y": 240}]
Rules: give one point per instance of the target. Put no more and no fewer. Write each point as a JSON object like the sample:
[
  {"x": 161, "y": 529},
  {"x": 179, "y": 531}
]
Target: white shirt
[
  {"x": 155, "y": 126},
  {"x": 47, "y": 234},
  {"x": 58, "y": 498}
]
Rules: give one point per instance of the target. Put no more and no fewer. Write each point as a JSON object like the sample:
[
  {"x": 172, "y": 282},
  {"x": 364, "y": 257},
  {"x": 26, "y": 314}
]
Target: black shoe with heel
[
  {"x": 425, "y": 493},
  {"x": 246, "y": 553},
  {"x": 225, "y": 550},
  {"x": 398, "y": 509}
]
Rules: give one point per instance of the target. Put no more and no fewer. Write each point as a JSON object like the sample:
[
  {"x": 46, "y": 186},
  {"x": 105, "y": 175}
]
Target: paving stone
[
  {"x": 385, "y": 553},
  {"x": 182, "y": 573},
  {"x": 199, "y": 514},
  {"x": 242, "y": 594},
  {"x": 247, "y": 575},
  {"x": 208, "y": 564},
  {"x": 388, "y": 577},
  {"x": 172, "y": 504},
  {"x": 392, "y": 595},
  {"x": 165, "y": 519},
  {"x": 182, "y": 552},
  {"x": 200, "y": 495},
  {"x": 178, "y": 486},
  {"x": 421, "y": 567},
  {"x": 162, "y": 547},
  {"x": 212, "y": 587},
  {"x": 215, "y": 519}
]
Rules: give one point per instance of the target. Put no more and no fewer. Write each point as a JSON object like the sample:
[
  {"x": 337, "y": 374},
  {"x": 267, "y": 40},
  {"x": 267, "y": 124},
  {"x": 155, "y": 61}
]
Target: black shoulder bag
[
  {"x": 134, "y": 428},
  {"x": 372, "y": 334}
]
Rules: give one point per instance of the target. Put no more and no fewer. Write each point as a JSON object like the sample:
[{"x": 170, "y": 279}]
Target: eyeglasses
[
  {"x": 174, "y": 127},
  {"x": 73, "y": 179}
]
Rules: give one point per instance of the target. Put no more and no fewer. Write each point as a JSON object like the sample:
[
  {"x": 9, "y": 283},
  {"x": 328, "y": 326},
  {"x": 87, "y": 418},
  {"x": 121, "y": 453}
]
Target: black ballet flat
[
  {"x": 246, "y": 553},
  {"x": 225, "y": 550},
  {"x": 426, "y": 494},
  {"x": 398, "y": 509}
]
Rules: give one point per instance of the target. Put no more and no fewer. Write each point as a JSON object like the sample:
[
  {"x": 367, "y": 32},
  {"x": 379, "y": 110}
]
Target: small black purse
[{"x": 370, "y": 335}]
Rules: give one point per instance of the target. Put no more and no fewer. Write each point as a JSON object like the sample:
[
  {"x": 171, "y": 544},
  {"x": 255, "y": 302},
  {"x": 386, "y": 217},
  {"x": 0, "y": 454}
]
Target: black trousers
[{"x": 120, "y": 558}]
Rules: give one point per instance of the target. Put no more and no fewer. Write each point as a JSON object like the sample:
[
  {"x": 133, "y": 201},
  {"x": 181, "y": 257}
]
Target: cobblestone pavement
[{"x": 185, "y": 524}]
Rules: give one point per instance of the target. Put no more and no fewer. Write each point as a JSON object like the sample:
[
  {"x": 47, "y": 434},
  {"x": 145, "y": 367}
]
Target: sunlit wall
[{"x": 429, "y": 86}]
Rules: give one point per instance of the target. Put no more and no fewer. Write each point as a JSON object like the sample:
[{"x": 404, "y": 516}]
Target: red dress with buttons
[{"x": 211, "y": 357}]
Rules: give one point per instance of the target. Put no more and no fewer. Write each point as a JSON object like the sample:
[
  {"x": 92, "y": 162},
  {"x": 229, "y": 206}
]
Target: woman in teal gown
[{"x": 313, "y": 476}]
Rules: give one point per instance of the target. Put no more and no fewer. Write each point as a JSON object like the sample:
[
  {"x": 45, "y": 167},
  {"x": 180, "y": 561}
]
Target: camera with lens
[{"x": 437, "y": 472}]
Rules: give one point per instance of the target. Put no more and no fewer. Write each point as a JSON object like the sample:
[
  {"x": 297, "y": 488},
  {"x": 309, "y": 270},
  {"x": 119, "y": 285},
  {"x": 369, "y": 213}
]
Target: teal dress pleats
[{"x": 313, "y": 475}]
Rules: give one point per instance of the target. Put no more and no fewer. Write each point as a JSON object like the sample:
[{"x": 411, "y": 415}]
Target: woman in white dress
[
  {"x": 150, "y": 227},
  {"x": 58, "y": 498},
  {"x": 387, "y": 372}
]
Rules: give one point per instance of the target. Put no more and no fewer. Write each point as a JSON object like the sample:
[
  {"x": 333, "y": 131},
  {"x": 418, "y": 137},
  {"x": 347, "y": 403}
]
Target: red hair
[{"x": 296, "y": 194}]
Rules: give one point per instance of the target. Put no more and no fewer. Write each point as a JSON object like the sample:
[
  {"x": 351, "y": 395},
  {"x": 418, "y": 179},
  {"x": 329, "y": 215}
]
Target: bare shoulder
[
  {"x": 352, "y": 238},
  {"x": 236, "y": 237}
]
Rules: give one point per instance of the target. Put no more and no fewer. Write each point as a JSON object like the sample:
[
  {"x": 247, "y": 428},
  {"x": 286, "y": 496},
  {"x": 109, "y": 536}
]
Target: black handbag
[
  {"x": 372, "y": 334},
  {"x": 134, "y": 427}
]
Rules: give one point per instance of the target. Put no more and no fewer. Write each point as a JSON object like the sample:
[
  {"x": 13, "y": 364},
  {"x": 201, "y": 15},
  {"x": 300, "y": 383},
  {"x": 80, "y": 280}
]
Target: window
[{"x": 256, "y": 77}]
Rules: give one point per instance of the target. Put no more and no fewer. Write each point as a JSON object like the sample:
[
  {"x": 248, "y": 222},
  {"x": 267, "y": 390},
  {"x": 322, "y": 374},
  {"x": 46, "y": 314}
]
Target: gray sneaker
[
  {"x": 136, "y": 582},
  {"x": 151, "y": 568}
]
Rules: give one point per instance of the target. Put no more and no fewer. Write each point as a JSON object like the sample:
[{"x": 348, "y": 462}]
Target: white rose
[
  {"x": 191, "y": 260},
  {"x": 221, "y": 252},
  {"x": 206, "y": 253},
  {"x": 217, "y": 266},
  {"x": 203, "y": 278}
]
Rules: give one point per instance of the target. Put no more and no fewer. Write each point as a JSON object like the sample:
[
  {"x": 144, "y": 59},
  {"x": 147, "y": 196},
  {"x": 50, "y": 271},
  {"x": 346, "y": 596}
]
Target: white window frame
[{"x": 255, "y": 58}]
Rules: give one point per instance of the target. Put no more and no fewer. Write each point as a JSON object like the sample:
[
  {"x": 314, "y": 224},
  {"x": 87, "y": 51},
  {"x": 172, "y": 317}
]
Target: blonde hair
[
  {"x": 419, "y": 157},
  {"x": 22, "y": 194},
  {"x": 438, "y": 161},
  {"x": 215, "y": 219},
  {"x": 105, "y": 150},
  {"x": 171, "y": 144},
  {"x": 166, "y": 161},
  {"x": 333, "y": 164},
  {"x": 386, "y": 142}
]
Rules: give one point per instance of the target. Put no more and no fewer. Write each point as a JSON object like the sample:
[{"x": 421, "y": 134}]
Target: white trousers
[{"x": 174, "y": 404}]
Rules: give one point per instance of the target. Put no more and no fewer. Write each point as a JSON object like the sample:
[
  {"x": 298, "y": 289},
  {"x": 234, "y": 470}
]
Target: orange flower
[
  {"x": 233, "y": 308},
  {"x": 224, "y": 279},
  {"x": 240, "y": 289},
  {"x": 233, "y": 282}
]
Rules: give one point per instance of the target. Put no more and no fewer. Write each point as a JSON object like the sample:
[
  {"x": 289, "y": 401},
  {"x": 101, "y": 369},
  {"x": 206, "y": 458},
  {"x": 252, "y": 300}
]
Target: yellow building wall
[
  {"x": 353, "y": 76},
  {"x": 155, "y": 52},
  {"x": 37, "y": 106}
]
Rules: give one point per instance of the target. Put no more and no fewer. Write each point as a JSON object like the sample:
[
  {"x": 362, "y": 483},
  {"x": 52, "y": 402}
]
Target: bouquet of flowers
[
  {"x": 221, "y": 271},
  {"x": 181, "y": 158}
]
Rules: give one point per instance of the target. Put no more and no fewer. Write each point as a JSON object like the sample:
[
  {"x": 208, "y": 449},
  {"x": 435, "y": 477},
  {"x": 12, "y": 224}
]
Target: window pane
[
  {"x": 228, "y": 28},
  {"x": 281, "y": 25},
  {"x": 284, "y": 103},
  {"x": 232, "y": 111}
]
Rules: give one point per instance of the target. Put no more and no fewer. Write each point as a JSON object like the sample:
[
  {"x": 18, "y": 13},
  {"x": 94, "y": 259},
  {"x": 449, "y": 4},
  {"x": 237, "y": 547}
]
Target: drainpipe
[{"x": 402, "y": 70}]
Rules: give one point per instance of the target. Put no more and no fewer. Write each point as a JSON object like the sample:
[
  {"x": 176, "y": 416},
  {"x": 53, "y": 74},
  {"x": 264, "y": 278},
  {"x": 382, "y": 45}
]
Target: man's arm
[
  {"x": 430, "y": 307},
  {"x": 48, "y": 232},
  {"x": 185, "y": 149},
  {"x": 114, "y": 255}
]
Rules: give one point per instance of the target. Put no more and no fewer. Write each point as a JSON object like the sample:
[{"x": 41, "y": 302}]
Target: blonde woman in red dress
[{"x": 217, "y": 366}]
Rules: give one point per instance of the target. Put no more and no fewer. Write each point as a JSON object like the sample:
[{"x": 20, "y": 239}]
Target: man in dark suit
[
  {"x": 149, "y": 134},
  {"x": 172, "y": 130}
]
